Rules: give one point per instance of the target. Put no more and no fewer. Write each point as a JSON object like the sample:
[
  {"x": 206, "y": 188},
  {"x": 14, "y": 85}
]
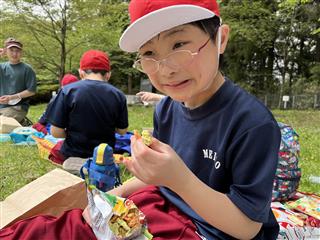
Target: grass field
[{"x": 21, "y": 164}]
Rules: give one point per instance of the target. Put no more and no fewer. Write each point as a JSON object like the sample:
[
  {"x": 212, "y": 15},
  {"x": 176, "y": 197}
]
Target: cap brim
[
  {"x": 14, "y": 45},
  {"x": 150, "y": 25}
]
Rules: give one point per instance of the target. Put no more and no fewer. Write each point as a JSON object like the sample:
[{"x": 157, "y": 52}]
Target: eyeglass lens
[{"x": 175, "y": 60}]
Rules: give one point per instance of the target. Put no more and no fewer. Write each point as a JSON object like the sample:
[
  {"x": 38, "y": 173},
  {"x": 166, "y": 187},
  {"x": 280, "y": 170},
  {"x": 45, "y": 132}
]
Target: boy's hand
[
  {"x": 157, "y": 164},
  {"x": 2, "y": 52},
  {"x": 4, "y": 99},
  {"x": 86, "y": 215}
]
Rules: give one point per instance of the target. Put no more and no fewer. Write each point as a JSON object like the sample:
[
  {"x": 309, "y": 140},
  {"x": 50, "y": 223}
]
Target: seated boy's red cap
[
  {"x": 68, "y": 78},
  {"x": 95, "y": 60},
  {"x": 150, "y": 17}
]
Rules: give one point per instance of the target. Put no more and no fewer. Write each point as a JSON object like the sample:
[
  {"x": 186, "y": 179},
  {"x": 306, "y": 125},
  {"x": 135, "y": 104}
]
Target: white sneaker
[{"x": 73, "y": 164}]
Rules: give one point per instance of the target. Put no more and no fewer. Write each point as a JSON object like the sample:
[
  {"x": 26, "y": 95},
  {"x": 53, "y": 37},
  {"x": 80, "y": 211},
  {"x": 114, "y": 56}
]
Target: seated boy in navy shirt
[{"x": 88, "y": 112}]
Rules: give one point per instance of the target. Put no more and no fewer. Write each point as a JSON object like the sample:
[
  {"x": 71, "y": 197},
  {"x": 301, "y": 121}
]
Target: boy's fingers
[
  {"x": 86, "y": 215},
  {"x": 156, "y": 145}
]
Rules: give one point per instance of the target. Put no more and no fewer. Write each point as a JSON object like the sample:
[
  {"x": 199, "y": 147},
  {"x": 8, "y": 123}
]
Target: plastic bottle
[{"x": 102, "y": 171}]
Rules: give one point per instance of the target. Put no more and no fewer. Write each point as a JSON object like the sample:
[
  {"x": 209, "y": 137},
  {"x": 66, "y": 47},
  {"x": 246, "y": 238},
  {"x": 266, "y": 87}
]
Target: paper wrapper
[{"x": 115, "y": 218}]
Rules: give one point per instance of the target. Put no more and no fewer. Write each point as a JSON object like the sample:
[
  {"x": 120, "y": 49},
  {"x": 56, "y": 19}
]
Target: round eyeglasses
[{"x": 175, "y": 60}]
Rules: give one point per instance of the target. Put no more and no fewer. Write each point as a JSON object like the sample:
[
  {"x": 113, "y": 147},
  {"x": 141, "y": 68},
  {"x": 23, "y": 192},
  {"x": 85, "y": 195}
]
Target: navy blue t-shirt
[
  {"x": 90, "y": 111},
  {"x": 231, "y": 143}
]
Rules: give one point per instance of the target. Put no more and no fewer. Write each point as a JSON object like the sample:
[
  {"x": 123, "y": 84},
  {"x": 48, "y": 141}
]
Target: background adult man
[{"x": 17, "y": 82}]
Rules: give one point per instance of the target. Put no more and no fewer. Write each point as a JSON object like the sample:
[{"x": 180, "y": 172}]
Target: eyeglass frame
[{"x": 192, "y": 54}]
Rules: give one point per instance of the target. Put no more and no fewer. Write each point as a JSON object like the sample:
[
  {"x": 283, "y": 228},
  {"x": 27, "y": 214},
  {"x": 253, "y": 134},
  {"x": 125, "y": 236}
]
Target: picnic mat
[
  {"x": 44, "y": 146},
  {"x": 298, "y": 218}
]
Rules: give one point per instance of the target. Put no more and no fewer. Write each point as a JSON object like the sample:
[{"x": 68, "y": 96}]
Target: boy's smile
[{"x": 187, "y": 64}]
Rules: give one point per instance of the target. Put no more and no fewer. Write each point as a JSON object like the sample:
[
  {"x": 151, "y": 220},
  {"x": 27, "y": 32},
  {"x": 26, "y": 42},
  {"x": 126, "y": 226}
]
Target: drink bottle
[{"x": 102, "y": 171}]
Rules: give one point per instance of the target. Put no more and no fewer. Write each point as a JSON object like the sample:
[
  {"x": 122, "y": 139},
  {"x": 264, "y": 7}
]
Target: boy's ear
[
  {"x": 108, "y": 76},
  {"x": 224, "y": 37},
  {"x": 81, "y": 73}
]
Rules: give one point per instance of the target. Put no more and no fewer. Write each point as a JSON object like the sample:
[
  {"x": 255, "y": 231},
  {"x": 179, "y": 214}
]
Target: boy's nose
[{"x": 167, "y": 68}]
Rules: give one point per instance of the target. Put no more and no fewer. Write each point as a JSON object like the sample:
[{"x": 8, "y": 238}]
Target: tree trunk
[
  {"x": 63, "y": 42},
  {"x": 130, "y": 84}
]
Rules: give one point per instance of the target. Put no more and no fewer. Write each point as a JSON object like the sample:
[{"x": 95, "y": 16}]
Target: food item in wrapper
[
  {"x": 115, "y": 218},
  {"x": 127, "y": 220},
  {"x": 128, "y": 224}
]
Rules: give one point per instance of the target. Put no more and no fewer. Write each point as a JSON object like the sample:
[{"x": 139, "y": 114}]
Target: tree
[
  {"x": 62, "y": 30},
  {"x": 249, "y": 55},
  {"x": 125, "y": 77},
  {"x": 297, "y": 47}
]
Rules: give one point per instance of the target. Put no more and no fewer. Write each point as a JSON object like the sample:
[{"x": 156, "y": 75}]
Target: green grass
[{"x": 21, "y": 164}]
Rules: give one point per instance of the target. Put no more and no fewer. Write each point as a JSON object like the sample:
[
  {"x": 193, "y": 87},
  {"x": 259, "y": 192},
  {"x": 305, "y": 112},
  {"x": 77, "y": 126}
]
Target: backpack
[
  {"x": 288, "y": 173},
  {"x": 122, "y": 144}
]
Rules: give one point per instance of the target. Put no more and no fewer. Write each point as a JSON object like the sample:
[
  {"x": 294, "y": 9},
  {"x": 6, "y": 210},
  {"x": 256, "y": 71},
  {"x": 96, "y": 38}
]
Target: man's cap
[
  {"x": 150, "y": 17},
  {"x": 68, "y": 78},
  {"x": 12, "y": 42},
  {"x": 95, "y": 60}
]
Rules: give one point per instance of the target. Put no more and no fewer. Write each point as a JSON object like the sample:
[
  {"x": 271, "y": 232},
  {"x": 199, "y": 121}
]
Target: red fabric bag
[
  {"x": 56, "y": 155},
  {"x": 165, "y": 221},
  {"x": 70, "y": 225}
]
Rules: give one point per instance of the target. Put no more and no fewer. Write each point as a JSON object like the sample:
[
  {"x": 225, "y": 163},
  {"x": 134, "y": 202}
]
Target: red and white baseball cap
[{"x": 150, "y": 17}]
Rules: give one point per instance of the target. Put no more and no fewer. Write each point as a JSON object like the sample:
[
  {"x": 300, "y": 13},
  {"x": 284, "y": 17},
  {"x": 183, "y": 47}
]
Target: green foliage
[
  {"x": 124, "y": 76},
  {"x": 62, "y": 31},
  {"x": 315, "y": 74},
  {"x": 249, "y": 54},
  {"x": 297, "y": 48}
]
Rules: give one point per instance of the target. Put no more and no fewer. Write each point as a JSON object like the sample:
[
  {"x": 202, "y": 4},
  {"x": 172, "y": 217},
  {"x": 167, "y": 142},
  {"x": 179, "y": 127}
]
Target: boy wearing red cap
[
  {"x": 17, "y": 82},
  {"x": 215, "y": 147},
  {"x": 88, "y": 112}
]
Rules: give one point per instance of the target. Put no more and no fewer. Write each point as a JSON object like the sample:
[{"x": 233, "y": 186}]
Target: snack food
[
  {"x": 127, "y": 221},
  {"x": 115, "y": 218},
  {"x": 145, "y": 135},
  {"x": 136, "y": 134},
  {"x": 119, "y": 158}
]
